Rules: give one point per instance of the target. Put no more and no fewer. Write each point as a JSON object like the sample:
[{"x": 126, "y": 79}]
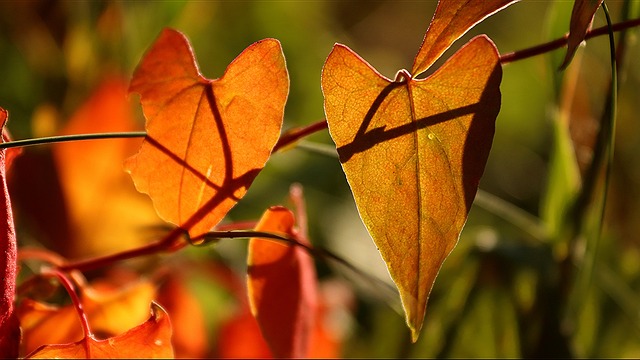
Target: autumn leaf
[
  {"x": 452, "y": 19},
  {"x": 282, "y": 287},
  {"x": 110, "y": 312},
  {"x": 241, "y": 338},
  {"x": 581, "y": 19},
  {"x": 413, "y": 151},
  {"x": 206, "y": 139},
  {"x": 187, "y": 316},
  {"x": 105, "y": 211},
  {"x": 151, "y": 339},
  {"x": 9, "y": 326}
]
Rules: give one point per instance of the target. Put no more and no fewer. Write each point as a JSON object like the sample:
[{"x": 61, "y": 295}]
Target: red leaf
[
  {"x": 9, "y": 327},
  {"x": 282, "y": 287}
]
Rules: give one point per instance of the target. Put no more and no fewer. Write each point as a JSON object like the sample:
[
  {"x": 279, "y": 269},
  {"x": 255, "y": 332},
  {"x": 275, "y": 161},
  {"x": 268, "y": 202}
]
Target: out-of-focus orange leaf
[
  {"x": 240, "y": 338},
  {"x": 187, "y": 317},
  {"x": 110, "y": 313},
  {"x": 206, "y": 139},
  {"x": 151, "y": 339},
  {"x": 282, "y": 287},
  {"x": 581, "y": 20},
  {"x": 413, "y": 152},
  {"x": 452, "y": 19},
  {"x": 336, "y": 303},
  {"x": 9, "y": 327},
  {"x": 106, "y": 212}
]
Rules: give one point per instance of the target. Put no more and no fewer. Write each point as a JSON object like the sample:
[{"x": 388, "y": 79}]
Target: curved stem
[
  {"x": 318, "y": 252},
  {"x": 84, "y": 321}
]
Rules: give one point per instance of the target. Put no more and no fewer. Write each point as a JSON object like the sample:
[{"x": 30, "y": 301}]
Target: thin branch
[
  {"x": 67, "y": 138},
  {"x": 64, "y": 280},
  {"x": 296, "y": 134},
  {"x": 558, "y": 43},
  {"x": 318, "y": 252}
]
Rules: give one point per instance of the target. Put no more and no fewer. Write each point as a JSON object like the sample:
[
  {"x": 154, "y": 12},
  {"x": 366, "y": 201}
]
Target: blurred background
[{"x": 505, "y": 291}]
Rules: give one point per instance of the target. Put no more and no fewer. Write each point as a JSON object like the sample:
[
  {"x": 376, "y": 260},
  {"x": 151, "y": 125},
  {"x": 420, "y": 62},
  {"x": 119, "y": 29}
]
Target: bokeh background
[{"x": 497, "y": 294}]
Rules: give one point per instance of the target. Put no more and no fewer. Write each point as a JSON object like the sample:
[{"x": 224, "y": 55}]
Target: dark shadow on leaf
[
  {"x": 230, "y": 185},
  {"x": 365, "y": 140},
  {"x": 480, "y": 136}
]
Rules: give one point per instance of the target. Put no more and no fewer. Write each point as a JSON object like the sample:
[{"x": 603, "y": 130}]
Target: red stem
[
  {"x": 170, "y": 243},
  {"x": 558, "y": 43},
  {"x": 84, "y": 321},
  {"x": 296, "y": 134}
]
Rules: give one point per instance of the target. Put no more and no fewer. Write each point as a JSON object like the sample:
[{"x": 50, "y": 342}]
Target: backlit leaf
[
  {"x": 581, "y": 19},
  {"x": 110, "y": 313},
  {"x": 282, "y": 287},
  {"x": 151, "y": 339},
  {"x": 206, "y": 139},
  {"x": 413, "y": 152},
  {"x": 452, "y": 19},
  {"x": 9, "y": 327}
]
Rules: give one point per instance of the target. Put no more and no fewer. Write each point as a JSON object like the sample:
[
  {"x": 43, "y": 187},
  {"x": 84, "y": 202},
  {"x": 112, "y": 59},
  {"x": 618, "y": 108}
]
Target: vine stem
[
  {"x": 170, "y": 243},
  {"x": 558, "y": 43},
  {"x": 84, "y": 321}
]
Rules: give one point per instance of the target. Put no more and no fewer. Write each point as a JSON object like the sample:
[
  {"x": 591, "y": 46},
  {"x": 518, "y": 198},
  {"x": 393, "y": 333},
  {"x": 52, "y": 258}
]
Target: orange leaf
[
  {"x": 151, "y": 339},
  {"x": 282, "y": 287},
  {"x": 110, "y": 312},
  {"x": 413, "y": 152},
  {"x": 240, "y": 337},
  {"x": 206, "y": 139},
  {"x": 581, "y": 19},
  {"x": 9, "y": 327},
  {"x": 187, "y": 316},
  {"x": 452, "y": 19},
  {"x": 105, "y": 209}
]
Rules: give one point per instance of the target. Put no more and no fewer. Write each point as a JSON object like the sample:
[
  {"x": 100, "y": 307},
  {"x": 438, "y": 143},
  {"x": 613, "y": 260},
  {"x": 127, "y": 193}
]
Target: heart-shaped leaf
[
  {"x": 413, "y": 152},
  {"x": 206, "y": 139}
]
